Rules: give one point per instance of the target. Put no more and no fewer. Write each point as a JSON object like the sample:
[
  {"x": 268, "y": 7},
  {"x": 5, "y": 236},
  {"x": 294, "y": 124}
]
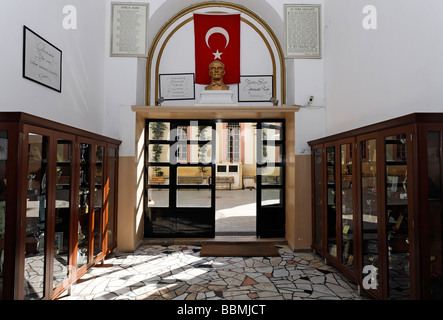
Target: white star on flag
[{"x": 217, "y": 55}]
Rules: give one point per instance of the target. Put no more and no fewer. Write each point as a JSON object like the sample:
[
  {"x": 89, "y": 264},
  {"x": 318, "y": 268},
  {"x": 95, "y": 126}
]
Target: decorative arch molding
[{"x": 183, "y": 17}]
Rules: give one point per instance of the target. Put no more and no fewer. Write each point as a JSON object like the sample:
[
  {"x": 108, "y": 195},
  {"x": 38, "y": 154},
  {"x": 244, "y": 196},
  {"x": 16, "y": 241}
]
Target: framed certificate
[
  {"x": 255, "y": 88},
  {"x": 42, "y": 61},
  {"x": 129, "y": 29},
  {"x": 177, "y": 86},
  {"x": 302, "y": 31}
]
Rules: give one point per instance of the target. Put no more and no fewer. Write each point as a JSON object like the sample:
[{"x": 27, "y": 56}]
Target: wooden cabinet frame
[
  {"x": 414, "y": 127},
  {"x": 19, "y": 126}
]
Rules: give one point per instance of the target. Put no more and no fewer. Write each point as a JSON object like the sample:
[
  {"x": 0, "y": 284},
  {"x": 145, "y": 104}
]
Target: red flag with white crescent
[{"x": 217, "y": 37}]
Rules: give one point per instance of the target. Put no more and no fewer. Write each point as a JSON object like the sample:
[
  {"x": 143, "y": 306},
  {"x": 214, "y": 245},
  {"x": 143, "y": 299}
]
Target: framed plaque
[
  {"x": 42, "y": 61},
  {"x": 255, "y": 88},
  {"x": 129, "y": 29},
  {"x": 177, "y": 86},
  {"x": 302, "y": 31}
]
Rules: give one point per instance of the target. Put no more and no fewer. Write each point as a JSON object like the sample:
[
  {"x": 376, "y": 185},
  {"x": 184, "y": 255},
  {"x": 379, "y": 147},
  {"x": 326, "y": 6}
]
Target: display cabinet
[
  {"x": 377, "y": 204},
  {"x": 57, "y": 204}
]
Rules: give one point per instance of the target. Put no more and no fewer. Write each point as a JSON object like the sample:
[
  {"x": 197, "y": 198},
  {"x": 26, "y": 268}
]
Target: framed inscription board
[
  {"x": 177, "y": 86},
  {"x": 129, "y": 29},
  {"x": 255, "y": 89},
  {"x": 42, "y": 62},
  {"x": 302, "y": 31}
]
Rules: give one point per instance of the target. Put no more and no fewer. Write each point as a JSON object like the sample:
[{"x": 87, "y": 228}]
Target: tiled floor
[{"x": 177, "y": 272}]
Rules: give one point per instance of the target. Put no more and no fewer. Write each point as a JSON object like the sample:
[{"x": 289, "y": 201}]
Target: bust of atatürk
[{"x": 217, "y": 71}]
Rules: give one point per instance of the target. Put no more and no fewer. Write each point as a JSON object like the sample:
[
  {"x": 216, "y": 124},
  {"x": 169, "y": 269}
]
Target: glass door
[
  {"x": 331, "y": 211},
  {"x": 270, "y": 179},
  {"x": 347, "y": 220},
  {"x": 5, "y": 171},
  {"x": 64, "y": 209},
  {"x": 84, "y": 201},
  {"x": 180, "y": 178},
  {"x": 369, "y": 215},
  {"x": 317, "y": 223},
  {"x": 396, "y": 151},
  {"x": 37, "y": 144},
  {"x": 111, "y": 203},
  {"x": 97, "y": 218},
  {"x": 432, "y": 261}
]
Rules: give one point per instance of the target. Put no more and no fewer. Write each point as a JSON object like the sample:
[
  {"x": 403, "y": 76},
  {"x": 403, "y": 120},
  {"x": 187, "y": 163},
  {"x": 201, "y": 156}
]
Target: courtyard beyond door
[{"x": 235, "y": 212}]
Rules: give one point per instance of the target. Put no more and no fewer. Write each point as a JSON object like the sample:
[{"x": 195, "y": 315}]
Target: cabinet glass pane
[
  {"x": 98, "y": 200},
  {"x": 332, "y": 212},
  {"x": 3, "y": 181},
  {"x": 84, "y": 201},
  {"x": 318, "y": 183},
  {"x": 35, "y": 253},
  {"x": 435, "y": 205},
  {"x": 347, "y": 210},
  {"x": 111, "y": 232},
  {"x": 62, "y": 211},
  {"x": 397, "y": 216},
  {"x": 193, "y": 198},
  {"x": 369, "y": 204},
  {"x": 194, "y": 175},
  {"x": 159, "y": 130}
]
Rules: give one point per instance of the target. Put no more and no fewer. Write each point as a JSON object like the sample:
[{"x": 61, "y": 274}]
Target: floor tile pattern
[{"x": 177, "y": 272}]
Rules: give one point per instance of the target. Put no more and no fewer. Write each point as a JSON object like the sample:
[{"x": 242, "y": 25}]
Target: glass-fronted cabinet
[
  {"x": 388, "y": 180},
  {"x": 50, "y": 226}
]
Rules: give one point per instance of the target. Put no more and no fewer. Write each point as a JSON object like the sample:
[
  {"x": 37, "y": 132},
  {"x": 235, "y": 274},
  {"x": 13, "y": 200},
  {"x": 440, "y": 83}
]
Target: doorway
[
  {"x": 235, "y": 194},
  {"x": 194, "y": 168}
]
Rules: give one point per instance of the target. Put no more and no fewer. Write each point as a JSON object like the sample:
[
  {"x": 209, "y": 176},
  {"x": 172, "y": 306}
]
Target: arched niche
[{"x": 172, "y": 51}]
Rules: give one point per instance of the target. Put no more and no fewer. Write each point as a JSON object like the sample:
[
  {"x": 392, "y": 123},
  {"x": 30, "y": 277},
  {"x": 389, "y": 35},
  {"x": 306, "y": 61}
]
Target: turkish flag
[{"x": 217, "y": 37}]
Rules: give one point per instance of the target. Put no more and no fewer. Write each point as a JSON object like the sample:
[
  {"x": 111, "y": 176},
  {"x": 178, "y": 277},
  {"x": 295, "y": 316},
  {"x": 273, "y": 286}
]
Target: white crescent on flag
[{"x": 217, "y": 30}]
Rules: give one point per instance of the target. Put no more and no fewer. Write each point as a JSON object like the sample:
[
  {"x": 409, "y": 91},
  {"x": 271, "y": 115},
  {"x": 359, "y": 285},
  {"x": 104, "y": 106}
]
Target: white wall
[
  {"x": 365, "y": 76},
  {"x": 81, "y": 101},
  {"x": 396, "y": 69},
  {"x": 305, "y": 77}
]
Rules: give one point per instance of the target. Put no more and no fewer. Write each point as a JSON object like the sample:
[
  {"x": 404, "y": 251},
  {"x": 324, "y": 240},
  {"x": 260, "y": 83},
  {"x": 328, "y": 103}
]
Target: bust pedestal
[{"x": 216, "y": 97}]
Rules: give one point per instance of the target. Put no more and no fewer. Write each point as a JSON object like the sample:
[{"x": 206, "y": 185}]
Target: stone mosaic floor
[{"x": 177, "y": 272}]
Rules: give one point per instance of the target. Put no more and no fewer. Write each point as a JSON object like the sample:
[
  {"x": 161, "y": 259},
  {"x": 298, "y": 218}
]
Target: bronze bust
[{"x": 217, "y": 71}]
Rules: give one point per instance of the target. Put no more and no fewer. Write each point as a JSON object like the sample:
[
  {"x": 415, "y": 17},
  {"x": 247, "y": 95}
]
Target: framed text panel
[
  {"x": 302, "y": 31},
  {"x": 255, "y": 88},
  {"x": 177, "y": 86},
  {"x": 129, "y": 29},
  {"x": 42, "y": 61}
]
